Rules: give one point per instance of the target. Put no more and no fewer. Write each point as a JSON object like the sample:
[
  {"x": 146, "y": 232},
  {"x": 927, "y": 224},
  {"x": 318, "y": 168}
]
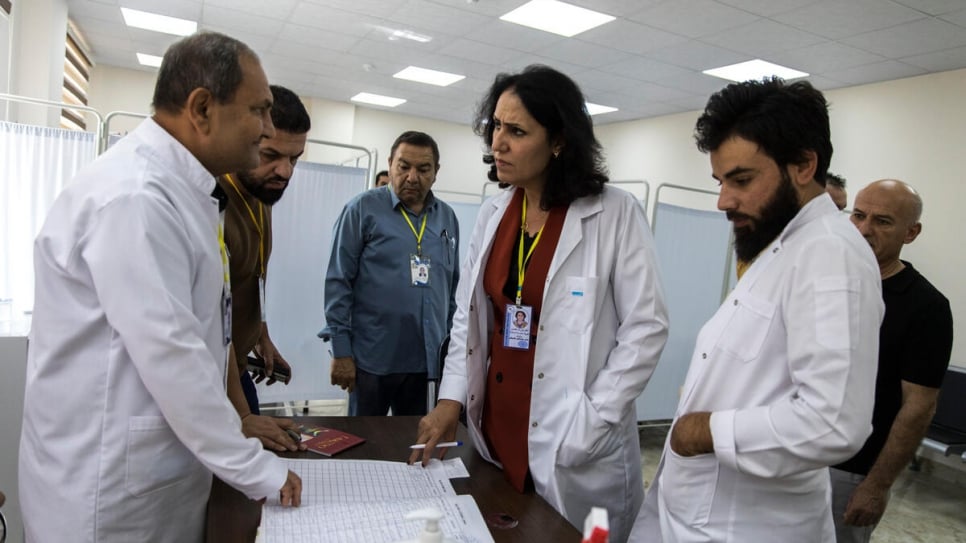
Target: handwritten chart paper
[{"x": 366, "y": 501}]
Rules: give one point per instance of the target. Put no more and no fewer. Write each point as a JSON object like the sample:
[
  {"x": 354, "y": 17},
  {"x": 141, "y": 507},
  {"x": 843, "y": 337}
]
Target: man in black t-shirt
[{"x": 915, "y": 342}]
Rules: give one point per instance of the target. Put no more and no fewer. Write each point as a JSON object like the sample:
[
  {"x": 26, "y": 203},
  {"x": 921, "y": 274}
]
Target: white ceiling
[{"x": 647, "y": 62}]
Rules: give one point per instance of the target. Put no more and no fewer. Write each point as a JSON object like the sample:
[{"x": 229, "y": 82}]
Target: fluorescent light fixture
[
  {"x": 432, "y": 77},
  {"x": 159, "y": 23},
  {"x": 754, "y": 70},
  {"x": 410, "y": 35},
  {"x": 597, "y": 109},
  {"x": 377, "y": 99},
  {"x": 149, "y": 60},
  {"x": 557, "y": 17}
]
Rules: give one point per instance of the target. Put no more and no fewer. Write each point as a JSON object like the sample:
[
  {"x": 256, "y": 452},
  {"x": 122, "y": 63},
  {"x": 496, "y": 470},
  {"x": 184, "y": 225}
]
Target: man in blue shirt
[{"x": 391, "y": 285}]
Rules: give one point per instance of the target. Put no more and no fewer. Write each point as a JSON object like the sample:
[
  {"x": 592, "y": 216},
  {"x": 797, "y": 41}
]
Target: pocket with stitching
[
  {"x": 688, "y": 485},
  {"x": 577, "y": 306},
  {"x": 155, "y": 458},
  {"x": 745, "y": 334},
  {"x": 589, "y": 437}
]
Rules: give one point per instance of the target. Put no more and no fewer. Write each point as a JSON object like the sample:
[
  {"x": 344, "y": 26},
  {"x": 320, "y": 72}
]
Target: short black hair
[
  {"x": 383, "y": 172},
  {"x": 834, "y": 180},
  {"x": 206, "y": 60},
  {"x": 417, "y": 139},
  {"x": 288, "y": 111},
  {"x": 554, "y": 101},
  {"x": 784, "y": 120}
]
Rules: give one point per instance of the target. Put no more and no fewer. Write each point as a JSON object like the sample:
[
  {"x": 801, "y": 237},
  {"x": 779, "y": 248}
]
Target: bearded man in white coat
[
  {"x": 780, "y": 384},
  {"x": 125, "y": 411}
]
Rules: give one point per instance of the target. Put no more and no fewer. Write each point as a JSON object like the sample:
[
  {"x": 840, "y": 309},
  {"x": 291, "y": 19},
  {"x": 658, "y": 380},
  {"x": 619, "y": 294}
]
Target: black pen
[{"x": 296, "y": 437}]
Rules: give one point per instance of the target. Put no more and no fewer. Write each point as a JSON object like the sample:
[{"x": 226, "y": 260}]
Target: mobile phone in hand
[{"x": 257, "y": 366}]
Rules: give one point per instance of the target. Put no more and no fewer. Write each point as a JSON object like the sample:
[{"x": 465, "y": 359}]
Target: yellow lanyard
[
  {"x": 422, "y": 229},
  {"x": 259, "y": 224},
  {"x": 224, "y": 254},
  {"x": 521, "y": 260}
]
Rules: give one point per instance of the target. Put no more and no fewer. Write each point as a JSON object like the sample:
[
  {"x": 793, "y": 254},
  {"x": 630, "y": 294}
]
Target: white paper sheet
[{"x": 367, "y": 500}]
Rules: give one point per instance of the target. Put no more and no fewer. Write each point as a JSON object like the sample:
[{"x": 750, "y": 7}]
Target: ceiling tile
[
  {"x": 917, "y": 37},
  {"x": 478, "y": 51},
  {"x": 940, "y": 61},
  {"x": 880, "y": 71},
  {"x": 276, "y": 9},
  {"x": 762, "y": 37},
  {"x": 644, "y": 69},
  {"x": 583, "y": 54},
  {"x": 768, "y": 8},
  {"x": 647, "y": 62},
  {"x": 631, "y": 37},
  {"x": 693, "y": 18},
  {"x": 824, "y": 57},
  {"x": 698, "y": 55},
  {"x": 933, "y": 7},
  {"x": 837, "y": 19},
  {"x": 239, "y": 23},
  {"x": 513, "y": 36}
]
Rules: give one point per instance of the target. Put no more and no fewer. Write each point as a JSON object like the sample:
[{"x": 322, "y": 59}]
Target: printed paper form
[
  {"x": 378, "y": 522},
  {"x": 348, "y": 481},
  {"x": 366, "y": 500}
]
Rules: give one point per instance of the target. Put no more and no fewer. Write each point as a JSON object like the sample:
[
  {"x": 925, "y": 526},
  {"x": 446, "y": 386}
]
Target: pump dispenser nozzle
[{"x": 431, "y": 532}]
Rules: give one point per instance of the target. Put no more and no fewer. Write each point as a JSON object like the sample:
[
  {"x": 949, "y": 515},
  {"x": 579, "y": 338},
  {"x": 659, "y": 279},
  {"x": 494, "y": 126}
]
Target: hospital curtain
[{"x": 35, "y": 164}]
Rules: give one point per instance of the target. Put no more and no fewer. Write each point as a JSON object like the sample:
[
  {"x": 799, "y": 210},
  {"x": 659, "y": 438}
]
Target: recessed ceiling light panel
[
  {"x": 149, "y": 60},
  {"x": 432, "y": 77},
  {"x": 597, "y": 109},
  {"x": 754, "y": 70},
  {"x": 377, "y": 99},
  {"x": 159, "y": 23},
  {"x": 557, "y": 17}
]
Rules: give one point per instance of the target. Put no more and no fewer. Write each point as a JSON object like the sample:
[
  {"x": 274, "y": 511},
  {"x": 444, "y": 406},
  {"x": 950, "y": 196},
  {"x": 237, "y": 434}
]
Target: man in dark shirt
[
  {"x": 248, "y": 237},
  {"x": 915, "y": 342}
]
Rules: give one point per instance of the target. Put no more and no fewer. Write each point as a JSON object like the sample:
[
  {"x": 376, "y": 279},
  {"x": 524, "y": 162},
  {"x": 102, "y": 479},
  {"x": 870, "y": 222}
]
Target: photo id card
[
  {"x": 419, "y": 270},
  {"x": 516, "y": 327}
]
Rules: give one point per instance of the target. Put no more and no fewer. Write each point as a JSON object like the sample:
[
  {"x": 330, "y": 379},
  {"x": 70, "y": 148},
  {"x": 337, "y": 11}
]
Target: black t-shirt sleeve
[{"x": 929, "y": 342}]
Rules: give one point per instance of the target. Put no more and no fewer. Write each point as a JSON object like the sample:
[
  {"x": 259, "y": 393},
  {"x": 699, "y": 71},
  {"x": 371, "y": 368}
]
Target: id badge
[
  {"x": 226, "y": 314},
  {"x": 261, "y": 297},
  {"x": 419, "y": 270},
  {"x": 516, "y": 327}
]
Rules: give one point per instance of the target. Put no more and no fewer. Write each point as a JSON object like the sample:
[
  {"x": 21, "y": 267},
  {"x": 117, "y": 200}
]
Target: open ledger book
[{"x": 366, "y": 501}]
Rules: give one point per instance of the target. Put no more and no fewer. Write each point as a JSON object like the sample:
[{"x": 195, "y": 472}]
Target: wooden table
[{"x": 232, "y": 518}]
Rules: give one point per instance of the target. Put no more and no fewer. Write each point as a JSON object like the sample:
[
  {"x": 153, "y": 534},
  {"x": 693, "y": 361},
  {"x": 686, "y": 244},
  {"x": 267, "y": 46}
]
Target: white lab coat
[
  {"x": 125, "y": 410},
  {"x": 602, "y": 329},
  {"x": 787, "y": 366}
]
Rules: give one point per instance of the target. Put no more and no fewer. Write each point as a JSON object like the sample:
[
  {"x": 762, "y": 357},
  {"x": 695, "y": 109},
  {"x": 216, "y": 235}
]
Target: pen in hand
[{"x": 439, "y": 445}]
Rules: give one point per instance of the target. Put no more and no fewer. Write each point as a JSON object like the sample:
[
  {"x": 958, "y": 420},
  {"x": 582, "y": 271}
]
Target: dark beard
[
  {"x": 258, "y": 190},
  {"x": 777, "y": 213}
]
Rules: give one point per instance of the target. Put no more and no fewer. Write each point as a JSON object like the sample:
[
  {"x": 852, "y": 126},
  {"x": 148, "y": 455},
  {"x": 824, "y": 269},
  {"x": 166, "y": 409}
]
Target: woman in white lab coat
[{"x": 553, "y": 403}]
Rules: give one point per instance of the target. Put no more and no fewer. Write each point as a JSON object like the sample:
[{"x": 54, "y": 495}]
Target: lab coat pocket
[
  {"x": 155, "y": 457},
  {"x": 748, "y": 327},
  {"x": 687, "y": 487},
  {"x": 588, "y": 438},
  {"x": 577, "y": 306}
]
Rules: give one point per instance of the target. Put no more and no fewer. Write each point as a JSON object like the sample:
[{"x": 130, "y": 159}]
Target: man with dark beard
[
  {"x": 248, "y": 236},
  {"x": 779, "y": 386}
]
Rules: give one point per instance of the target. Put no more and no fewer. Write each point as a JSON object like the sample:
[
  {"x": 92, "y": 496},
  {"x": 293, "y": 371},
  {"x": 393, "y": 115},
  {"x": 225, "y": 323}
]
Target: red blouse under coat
[{"x": 506, "y": 406}]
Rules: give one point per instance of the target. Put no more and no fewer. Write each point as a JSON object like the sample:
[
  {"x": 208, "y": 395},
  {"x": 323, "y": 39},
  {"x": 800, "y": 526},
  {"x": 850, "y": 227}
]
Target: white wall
[
  {"x": 4, "y": 55},
  {"x": 460, "y": 151},
  {"x": 911, "y": 129},
  {"x": 39, "y": 33},
  {"x": 119, "y": 89}
]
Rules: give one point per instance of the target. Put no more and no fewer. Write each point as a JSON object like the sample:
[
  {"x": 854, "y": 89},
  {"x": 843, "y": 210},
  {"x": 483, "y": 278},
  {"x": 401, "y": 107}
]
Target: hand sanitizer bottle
[{"x": 431, "y": 531}]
